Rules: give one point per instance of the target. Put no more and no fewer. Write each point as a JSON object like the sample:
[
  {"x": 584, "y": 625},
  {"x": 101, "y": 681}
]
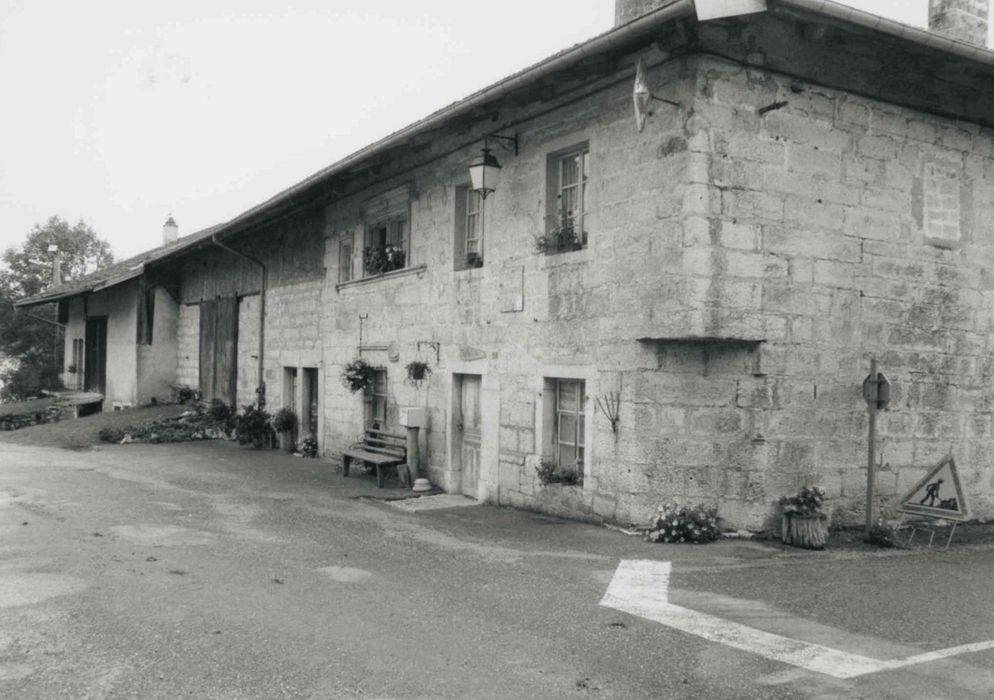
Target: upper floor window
[
  {"x": 387, "y": 232},
  {"x": 469, "y": 228},
  {"x": 567, "y": 202},
  {"x": 386, "y": 246},
  {"x": 345, "y": 259}
]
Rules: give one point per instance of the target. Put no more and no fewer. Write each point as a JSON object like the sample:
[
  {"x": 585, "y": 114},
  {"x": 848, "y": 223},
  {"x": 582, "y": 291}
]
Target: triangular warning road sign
[{"x": 938, "y": 495}]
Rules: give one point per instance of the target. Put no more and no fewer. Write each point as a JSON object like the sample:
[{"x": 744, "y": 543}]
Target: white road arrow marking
[{"x": 641, "y": 587}]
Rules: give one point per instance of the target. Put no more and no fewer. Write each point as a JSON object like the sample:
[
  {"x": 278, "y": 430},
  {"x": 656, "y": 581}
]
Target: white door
[{"x": 469, "y": 433}]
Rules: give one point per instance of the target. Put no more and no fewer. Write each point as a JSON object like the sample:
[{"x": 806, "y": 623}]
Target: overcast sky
[{"x": 121, "y": 112}]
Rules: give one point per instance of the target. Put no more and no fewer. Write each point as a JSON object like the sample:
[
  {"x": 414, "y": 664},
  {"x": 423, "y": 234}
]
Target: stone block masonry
[
  {"x": 792, "y": 241},
  {"x": 188, "y": 346},
  {"x": 741, "y": 268}
]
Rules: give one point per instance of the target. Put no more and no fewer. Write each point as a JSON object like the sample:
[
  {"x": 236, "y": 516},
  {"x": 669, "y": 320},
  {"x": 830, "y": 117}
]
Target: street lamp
[{"x": 484, "y": 171}]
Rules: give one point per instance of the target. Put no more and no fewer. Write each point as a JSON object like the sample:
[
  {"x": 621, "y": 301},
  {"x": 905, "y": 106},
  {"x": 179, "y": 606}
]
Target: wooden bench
[{"x": 379, "y": 449}]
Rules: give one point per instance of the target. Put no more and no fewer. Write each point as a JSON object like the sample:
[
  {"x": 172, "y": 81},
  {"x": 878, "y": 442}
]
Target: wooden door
[
  {"x": 310, "y": 402},
  {"x": 95, "y": 372},
  {"x": 219, "y": 349},
  {"x": 469, "y": 432}
]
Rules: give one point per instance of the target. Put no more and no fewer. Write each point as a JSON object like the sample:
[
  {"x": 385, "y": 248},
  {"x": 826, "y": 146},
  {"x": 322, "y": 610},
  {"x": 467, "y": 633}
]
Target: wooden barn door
[{"x": 219, "y": 349}]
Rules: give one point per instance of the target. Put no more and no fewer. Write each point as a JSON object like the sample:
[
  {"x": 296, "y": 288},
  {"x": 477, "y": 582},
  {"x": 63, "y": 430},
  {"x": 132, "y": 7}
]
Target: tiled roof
[
  {"x": 118, "y": 272},
  {"x": 620, "y": 37}
]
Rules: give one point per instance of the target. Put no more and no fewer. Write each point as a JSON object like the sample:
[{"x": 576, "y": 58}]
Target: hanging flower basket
[
  {"x": 357, "y": 375},
  {"x": 418, "y": 372}
]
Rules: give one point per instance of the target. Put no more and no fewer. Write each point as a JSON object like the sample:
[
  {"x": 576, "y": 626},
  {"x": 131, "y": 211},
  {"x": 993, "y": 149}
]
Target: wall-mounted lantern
[{"x": 484, "y": 171}]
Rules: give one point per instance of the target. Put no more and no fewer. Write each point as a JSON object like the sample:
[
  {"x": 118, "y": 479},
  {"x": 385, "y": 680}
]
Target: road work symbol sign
[{"x": 938, "y": 495}]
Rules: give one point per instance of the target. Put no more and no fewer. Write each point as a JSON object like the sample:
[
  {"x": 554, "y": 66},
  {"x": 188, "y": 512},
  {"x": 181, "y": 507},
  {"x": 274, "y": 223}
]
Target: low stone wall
[{"x": 51, "y": 413}]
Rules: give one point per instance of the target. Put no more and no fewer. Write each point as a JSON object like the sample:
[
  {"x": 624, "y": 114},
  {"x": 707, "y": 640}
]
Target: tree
[{"x": 35, "y": 344}]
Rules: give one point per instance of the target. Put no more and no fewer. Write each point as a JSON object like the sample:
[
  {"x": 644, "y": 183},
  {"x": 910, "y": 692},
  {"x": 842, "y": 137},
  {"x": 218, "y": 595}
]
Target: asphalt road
[{"x": 210, "y": 571}]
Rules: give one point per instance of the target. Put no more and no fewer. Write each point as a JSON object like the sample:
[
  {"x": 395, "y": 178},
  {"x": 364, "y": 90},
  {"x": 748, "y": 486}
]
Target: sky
[{"x": 121, "y": 113}]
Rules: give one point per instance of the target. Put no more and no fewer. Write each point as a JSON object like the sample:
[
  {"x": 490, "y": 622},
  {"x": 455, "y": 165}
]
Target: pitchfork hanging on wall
[{"x": 610, "y": 406}]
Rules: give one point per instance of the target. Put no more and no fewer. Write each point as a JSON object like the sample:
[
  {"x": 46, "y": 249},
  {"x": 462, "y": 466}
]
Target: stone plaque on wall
[{"x": 512, "y": 289}]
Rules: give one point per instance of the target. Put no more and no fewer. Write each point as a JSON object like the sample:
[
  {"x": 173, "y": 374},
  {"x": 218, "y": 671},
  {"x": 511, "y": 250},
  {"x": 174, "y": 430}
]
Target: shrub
[
  {"x": 111, "y": 435},
  {"x": 185, "y": 395},
  {"x": 30, "y": 378},
  {"x": 191, "y": 425},
  {"x": 550, "y": 473},
  {"x": 285, "y": 420},
  {"x": 252, "y": 427},
  {"x": 691, "y": 524},
  {"x": 223, "y": 414}
]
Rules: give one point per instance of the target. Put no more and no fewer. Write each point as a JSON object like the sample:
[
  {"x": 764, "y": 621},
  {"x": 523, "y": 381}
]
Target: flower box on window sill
[
  {"x": 561, "y": 239},
  {"x": 474, "y": 260},
  {"x": 384, "y": 259}
]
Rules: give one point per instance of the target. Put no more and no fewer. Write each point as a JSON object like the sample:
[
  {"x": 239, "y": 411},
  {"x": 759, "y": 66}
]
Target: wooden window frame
[
  {"x": 555, "y": 188},
  {"x": 345, "y": 267},
  {"x": 578, "y": 414}
]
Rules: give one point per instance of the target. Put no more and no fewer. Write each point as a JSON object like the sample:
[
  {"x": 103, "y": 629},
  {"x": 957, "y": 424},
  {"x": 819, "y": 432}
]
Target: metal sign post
[{"x": 876, "y": 392}]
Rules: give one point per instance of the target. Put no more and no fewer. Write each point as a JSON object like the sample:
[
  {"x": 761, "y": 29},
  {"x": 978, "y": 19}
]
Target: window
[
  {"x": 387, "y": 233},
  {"x": 567, "y": 209},
  {"x": 345, "y": 259},
  {"x": 469, "y": 228},
  {"x": 565, "y": 413},
  {"x": 376, "y": 399},
  {"x": 146, "y": 312}
]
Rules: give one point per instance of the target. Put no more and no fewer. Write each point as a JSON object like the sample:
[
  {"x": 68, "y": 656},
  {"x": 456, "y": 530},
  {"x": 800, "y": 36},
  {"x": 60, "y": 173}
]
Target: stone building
[{"x": 812, "y": 188}]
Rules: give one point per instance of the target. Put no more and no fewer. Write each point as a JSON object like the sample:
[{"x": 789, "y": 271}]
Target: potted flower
[
  {"x": 357, "y": 375},
  {"x": 71, "y": 369},
  {"x": 285, "y": 424},
  {"x": 563, "y": 237},
  {"x": 549, "y": 472},
  {"x": 803, "y": 523},
  {"x": 474, "y": 260},
  {"x": 417, "y": 372},
  {"x": 309, "y": 447}
]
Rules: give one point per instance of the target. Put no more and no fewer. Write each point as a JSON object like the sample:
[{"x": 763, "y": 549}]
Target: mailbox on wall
[{"x": 413, "y": 417}]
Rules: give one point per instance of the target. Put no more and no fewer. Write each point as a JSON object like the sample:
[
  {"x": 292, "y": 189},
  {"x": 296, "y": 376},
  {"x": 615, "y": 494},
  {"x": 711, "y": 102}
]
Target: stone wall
[
  {"x": 120, "y": 305},
  {"x": 748, "y": 252},
  {"x": 742, "y": 268},
  {"x": 861, "y": 228},
  {"x": 293, "y": 250},
  {"x": 523, "y": 316},
  {"x": 247, "y": 366},
  {"x": 188, "y": 346},
  {"x": 157, "y": 360}
]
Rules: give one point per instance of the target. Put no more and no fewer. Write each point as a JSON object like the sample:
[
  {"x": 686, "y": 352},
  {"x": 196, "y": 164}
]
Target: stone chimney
[
  {"x": 965, "y": 20},
  {"x": 627, "y": 10},
  {"x": 170, "y": 231}
]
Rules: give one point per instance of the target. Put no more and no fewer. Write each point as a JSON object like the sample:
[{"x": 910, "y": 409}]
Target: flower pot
[{"x": 803, "y": 530}]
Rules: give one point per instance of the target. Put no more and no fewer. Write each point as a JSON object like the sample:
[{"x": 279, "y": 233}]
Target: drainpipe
[{"x": 262, "y": 312}]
